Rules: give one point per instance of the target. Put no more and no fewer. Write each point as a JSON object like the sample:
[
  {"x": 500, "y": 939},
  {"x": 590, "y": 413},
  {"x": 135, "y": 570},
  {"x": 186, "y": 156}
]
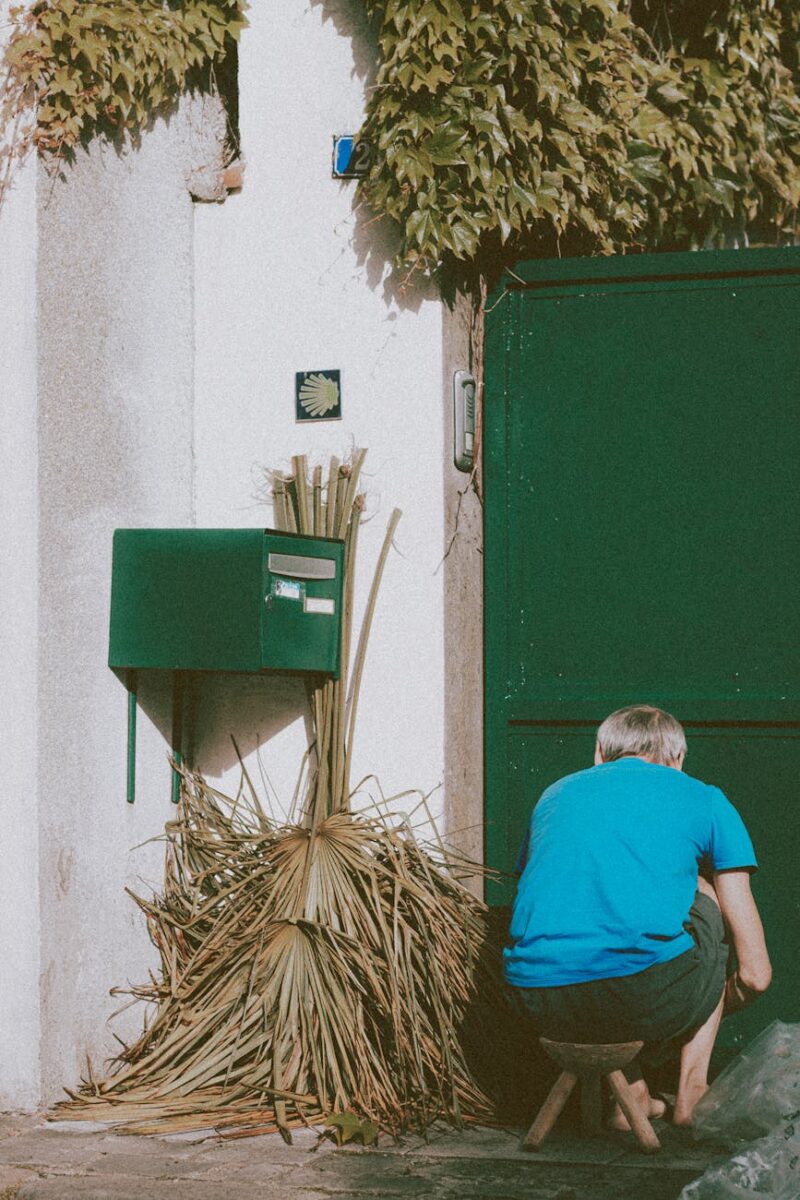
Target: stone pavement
[{"x": 77, "y": 1161}]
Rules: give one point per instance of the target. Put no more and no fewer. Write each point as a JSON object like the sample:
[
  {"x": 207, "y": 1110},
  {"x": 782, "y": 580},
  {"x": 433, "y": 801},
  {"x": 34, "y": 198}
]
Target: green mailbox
[{"x": 246, "y": 600}]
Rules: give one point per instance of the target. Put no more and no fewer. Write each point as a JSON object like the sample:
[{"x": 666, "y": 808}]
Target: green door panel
[
  {"x": 759, "y": 770},
  {"x": 537, "y": 757},
  {"x": 641, "y": 539}
]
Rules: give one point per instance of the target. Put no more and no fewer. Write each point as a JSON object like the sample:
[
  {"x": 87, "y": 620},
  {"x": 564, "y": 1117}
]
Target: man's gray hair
[{"x": 641, "y": 730}]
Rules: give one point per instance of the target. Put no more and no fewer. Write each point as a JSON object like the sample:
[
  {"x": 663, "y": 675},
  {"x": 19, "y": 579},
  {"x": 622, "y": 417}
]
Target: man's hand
[
  {"x": 739, "y": 994},
  {"x": 754, "y": 972}
]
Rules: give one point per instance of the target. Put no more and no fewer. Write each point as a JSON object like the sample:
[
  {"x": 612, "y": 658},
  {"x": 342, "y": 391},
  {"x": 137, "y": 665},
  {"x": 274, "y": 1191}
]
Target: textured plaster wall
[
  {"x": 463, "y": 630},
  {"x": 115, "y": 336},
  {"x": 288, "y": 279},
  {"x": 149, "y": 369},
  {"x": 19, "y": 898}
]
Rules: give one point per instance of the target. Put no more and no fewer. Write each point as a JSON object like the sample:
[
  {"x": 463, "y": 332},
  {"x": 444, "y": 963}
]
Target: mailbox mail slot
[
  {"x": 302, "y": 568},
  {"x": 225, "y": 600}
]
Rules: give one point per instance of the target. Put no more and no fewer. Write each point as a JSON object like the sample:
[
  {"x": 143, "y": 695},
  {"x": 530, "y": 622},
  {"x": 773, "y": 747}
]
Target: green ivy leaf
[
  {"x": 463, "y": 239},
  {"x": 672, "y": 93},
  {"x": 349, "y": 1127},
  {"x": 444, "y": 147},
  {"x": 647, "y": 171},
  {"x": 419, "y": 226}
]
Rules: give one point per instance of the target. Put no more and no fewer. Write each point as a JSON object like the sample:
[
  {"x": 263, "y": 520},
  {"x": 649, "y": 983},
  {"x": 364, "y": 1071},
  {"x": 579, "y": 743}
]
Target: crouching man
[{"x": 615, "y": 936}]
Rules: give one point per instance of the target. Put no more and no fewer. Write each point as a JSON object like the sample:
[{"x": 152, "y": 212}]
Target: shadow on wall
[
  {"x": 375, "y": 238},
  {"x": 351, "y": 20},
  {"x": 222, "y": 706},
  {"x": 376, "y": 241},
  {"x": 253, "y": 709}
]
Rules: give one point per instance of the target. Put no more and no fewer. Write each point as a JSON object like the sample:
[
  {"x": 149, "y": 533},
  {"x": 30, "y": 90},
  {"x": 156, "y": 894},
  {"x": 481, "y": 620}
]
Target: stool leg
[
  {"x": 548, "y": 1113},
  {"x": 639, "y": 1123},
  {"x": 591, "y": 1105}
]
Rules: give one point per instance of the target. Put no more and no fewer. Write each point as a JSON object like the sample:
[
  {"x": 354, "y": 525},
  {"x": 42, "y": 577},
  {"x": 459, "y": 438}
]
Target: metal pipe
[
  {"x": 177, "y": 733},
  {"x": 131, "y": 790}
]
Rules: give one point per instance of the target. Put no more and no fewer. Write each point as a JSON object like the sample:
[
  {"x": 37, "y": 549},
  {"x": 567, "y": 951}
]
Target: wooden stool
[{"x": 590, "y": 1064}]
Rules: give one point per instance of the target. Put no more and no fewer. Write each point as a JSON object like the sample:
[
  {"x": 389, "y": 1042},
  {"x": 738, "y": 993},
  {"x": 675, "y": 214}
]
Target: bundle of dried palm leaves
[{"x": 332, "y": 964}]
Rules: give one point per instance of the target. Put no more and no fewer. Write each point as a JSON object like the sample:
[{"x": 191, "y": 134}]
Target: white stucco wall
[
  {"x": 115, "y": 433},
  {"x": 279, "y": 288},
  {"x": 19, "y": 874},
  {"x": 149, "y": 349}
]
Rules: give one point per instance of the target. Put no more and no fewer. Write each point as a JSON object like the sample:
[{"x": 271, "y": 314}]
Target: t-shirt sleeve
[{"x": 730, "y": 846}]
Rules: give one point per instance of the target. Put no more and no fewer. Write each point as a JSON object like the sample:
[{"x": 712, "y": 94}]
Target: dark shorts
[{"x": 666, "y": 1004}]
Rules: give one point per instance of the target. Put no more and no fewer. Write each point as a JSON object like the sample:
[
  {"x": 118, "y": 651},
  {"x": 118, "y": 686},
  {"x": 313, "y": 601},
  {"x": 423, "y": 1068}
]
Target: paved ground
[{"x": 68, "y": 1161}]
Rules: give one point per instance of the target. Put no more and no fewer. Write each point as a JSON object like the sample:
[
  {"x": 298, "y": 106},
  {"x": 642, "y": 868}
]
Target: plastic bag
[
  {"x": 768, "y": 1167},
  {"x": 757, "y": 1091}
]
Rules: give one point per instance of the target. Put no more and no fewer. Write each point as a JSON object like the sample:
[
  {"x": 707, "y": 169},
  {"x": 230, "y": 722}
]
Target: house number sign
[{"x": 352, "y": 157}]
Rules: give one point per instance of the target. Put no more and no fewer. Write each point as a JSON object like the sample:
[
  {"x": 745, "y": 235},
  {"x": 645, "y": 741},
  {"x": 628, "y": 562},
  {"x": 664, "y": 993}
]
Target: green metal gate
[{"x": 642, "y": 540}]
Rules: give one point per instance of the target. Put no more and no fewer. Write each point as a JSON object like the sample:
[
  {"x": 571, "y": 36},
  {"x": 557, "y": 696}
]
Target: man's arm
[{"x": 754, "y": 971}]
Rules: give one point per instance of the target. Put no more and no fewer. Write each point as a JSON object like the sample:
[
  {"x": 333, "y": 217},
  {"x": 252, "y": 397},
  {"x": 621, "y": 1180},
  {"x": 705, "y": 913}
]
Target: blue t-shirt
[{"x": 610, "y": 871}]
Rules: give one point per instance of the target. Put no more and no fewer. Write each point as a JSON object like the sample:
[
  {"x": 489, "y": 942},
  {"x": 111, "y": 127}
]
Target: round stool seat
[{"x": 590, "y": 1057}]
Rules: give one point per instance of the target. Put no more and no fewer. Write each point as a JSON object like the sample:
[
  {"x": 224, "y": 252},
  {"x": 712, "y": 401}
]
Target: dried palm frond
[
  {"x": 303, "y": 971},
  {"x": 331, "y": 965}
]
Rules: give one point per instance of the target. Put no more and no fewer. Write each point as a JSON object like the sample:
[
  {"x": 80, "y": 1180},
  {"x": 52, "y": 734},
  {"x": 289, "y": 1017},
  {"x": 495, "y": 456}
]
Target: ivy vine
[
  {"x": 502, "y": 128},
  {"x": 498, "y": 124},
  {"x": 611, "y": 125},
  {"x": 75, "y": 70}
]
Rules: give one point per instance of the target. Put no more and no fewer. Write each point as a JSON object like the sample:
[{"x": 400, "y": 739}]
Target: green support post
[
  {"x": 131, "y": 790},
  {"x": 177, "y": 733}
]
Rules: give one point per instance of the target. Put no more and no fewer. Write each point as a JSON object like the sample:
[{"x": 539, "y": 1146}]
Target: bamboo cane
[
  {"x": 333, "y": 477},
  {"x": 366, "y": 625},
  {"x": 301, "y": 491}
]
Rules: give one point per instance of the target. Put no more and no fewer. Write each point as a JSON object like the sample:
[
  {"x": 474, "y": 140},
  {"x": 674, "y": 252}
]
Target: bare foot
[
  {"x": 649, "y": 1105},
  {"x": 686, "y": 1102}
]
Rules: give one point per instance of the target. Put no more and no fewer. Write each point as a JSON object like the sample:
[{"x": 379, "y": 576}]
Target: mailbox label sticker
[
  {"x": 319, "y": 604},
  {"x": 287, "y": 589}
]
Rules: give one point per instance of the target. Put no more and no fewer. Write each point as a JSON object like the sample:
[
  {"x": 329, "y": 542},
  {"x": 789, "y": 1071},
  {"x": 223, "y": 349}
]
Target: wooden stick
[
  {"x": 333, "y": 479},
  {"x": 361, "y": 649},
  {"x": 639, "y": 1122},
  {"x": 301, "y": 491},
  {"x": 318, "y": 527},
  {"x": 549, "y": 1113}
]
